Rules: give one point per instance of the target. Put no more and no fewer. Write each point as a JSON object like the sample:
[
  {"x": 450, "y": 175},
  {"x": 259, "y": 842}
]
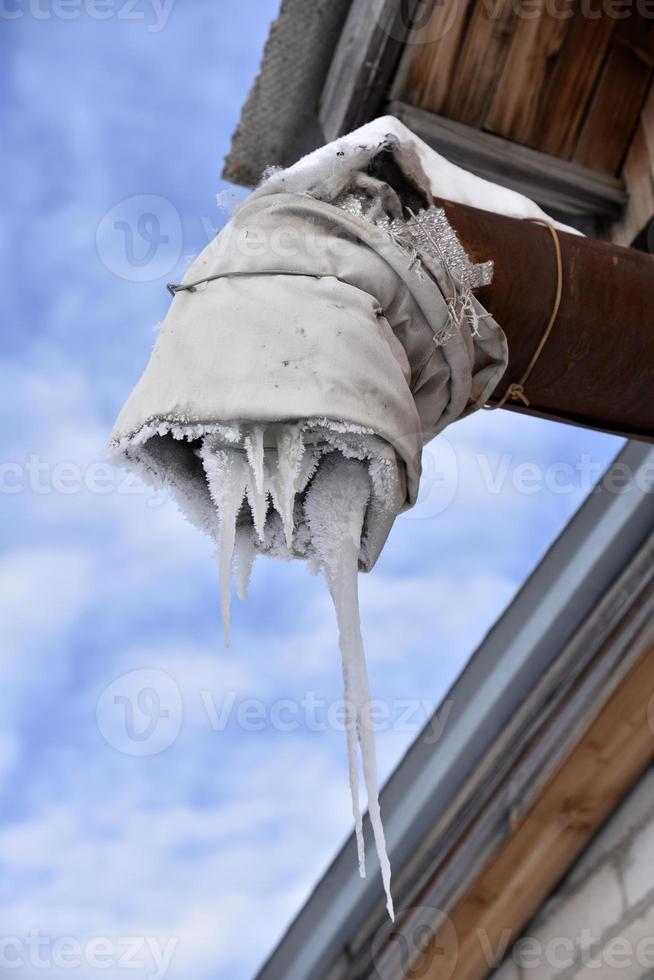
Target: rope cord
[{"x": 516, "y": 391}]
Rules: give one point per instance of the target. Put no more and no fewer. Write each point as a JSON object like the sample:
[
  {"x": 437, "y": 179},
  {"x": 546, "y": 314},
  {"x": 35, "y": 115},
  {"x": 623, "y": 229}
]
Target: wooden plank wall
[
  {"x": 595, "y": 777},
  {"x": 639, "y": 177},
  {"x": 549, "y": 77}
]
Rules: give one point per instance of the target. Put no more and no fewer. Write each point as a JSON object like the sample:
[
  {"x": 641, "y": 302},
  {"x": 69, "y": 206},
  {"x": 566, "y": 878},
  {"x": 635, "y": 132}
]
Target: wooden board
[
  {"x": 548, "y": 80},
  {"x": 364, "y": 63},
  {"x": 619, "y": 97},
  {"x": 595, "y": 777},
  {"x": 559, "y": 186},
  {"x": 536, "y": 43},
  {"x": 564, "y": 78},
  {"x": 427, "y": 68},
  {"x": 480, "y": 61},
  {"x": 639, "y": 179}
]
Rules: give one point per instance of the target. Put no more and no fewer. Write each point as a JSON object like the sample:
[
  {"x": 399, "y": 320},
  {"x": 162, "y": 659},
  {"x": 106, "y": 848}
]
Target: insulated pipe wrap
[
  {"x": 345, "y": 330},
  {"x": 326, "y": 298},
  {"x": 241, "y": 350}
]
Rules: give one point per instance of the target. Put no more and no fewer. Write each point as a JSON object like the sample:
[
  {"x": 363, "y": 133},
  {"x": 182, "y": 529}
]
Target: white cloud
[
  {"x": 204, "y": 876},
  {"x": 40, "y": 592}
]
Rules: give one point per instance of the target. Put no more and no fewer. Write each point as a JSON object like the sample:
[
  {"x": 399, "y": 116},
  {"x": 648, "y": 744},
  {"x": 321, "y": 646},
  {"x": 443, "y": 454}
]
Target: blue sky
[{"x": 198, "y": 845}]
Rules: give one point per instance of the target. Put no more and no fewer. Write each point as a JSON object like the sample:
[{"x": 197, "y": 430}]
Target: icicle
[
  {"x": 227, "y": 476},
  {"x": 335, "y": 507},
  {"x": 343, "y": 587},
  {"x": 308, "y": 467},
  {"x": 244, "y": 554},
  {"x": 271, "y": 485},
  {"x": 257, "y": 495},
  {"x": 353, "y": 764},
  {"x": 290, "y": 450},
  {"x": 319, "y": 501}
]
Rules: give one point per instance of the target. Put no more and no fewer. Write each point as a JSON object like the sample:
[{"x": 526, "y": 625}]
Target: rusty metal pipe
[{"x": 597, "y": 368}]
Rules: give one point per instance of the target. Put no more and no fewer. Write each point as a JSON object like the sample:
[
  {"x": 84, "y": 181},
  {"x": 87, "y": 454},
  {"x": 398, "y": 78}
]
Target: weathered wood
[
  {"x": 570, "y": 86},
  {"x": 364, "y": 62},
  {"x": 548, "y": 80},
  {"x": 592, "y": 781},
  {"x": 619, "y": 97},
  {"x": 607, "y": 133},
  {"x": 638, "y": 174},
  {"x": 538, "y": 39},
  {"x": 557, "y": 185},
  {"x": 647, "y": 122},
  {"x": 479, "y": 64},
  {"x": 427, "y": 66}
]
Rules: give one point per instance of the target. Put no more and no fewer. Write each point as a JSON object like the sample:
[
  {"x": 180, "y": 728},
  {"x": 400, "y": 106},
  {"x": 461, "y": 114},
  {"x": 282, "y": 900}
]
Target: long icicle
[
  {"x": 244, "y": 554},
  {"x": 343, "y": 586},
  {"x": 256, "y": 491},
  {"x": 290, "y": 450},
  {"x": 352, "y": 736},
  {"x": 227, "y": 476},
  {"x": 335, "y": 506}
]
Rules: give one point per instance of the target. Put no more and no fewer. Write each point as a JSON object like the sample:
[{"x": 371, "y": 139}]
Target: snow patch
[{"x": 327, "y": 171}]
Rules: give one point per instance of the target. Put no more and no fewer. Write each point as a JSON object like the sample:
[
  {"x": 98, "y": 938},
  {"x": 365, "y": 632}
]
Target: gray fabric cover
[
  {"x": 304, "y": 310},
  {"x": 349, "y": 338}
]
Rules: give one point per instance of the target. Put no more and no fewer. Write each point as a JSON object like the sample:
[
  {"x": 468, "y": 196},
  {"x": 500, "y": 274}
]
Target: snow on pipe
[{"x": 317, "y": 343}]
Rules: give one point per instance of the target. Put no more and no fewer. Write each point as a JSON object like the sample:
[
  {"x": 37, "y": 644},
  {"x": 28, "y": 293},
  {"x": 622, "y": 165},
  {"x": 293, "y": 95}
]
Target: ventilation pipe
[{"x": 327, "y": 333}]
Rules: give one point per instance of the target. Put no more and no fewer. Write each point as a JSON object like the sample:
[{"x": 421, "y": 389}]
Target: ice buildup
[{"x": 279, "y": 490}]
